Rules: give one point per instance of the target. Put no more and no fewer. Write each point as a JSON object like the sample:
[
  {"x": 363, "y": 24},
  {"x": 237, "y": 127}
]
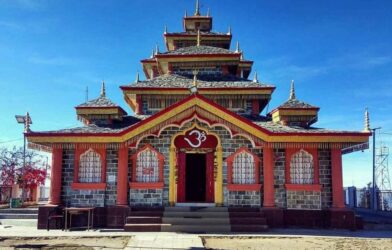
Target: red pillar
[
  {"x": 122, "y": 176},
  {"x": 255, "y": 107},
  {"x": 268, "y": 172},
  {"x": 139, "y": 105},
  {"x": 55, "y": 182},
  {"x": 337, "y": 179}
]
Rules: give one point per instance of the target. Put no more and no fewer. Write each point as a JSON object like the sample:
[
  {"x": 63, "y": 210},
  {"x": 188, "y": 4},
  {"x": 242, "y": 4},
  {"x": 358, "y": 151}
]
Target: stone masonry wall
[
  {"x": 279, "y": 178},
  {"x": 229, "y": 145},
  {"x": 146, "y": 197},
  {"x": 111, "y": 177},
  {"x": 87, "y": 198},
  {"x": 325, "y": 178},
  {"x": 303, "y": 200}
]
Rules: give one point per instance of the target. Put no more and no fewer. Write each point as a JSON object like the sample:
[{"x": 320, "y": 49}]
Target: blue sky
[{"x": 338, "y": 53}]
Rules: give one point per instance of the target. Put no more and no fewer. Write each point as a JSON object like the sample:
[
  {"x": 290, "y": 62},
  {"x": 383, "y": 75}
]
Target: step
[
  {"x": 18, "y": 216},
  {"x": 246, "y": 214},
  {"x": 146, "y": 213},
  {"x": 19, "y": 211},
  {"x": 248, "y": 221},
  {"x": 196, "y": 228},
  {"x": 196, "y": 214},
  {"x": 196, "y": 221},
  {"x": 249, "y": 228},
  {"x": 143, "y": 227},
  {"x": 244, "y": 209},
  {"x": 195, "y": 204},
  {"x": 143, "y": 220},
  {"x": 196, "y": 209}
]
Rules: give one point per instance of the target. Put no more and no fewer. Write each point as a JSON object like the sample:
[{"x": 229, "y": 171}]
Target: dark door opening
[{"x": 195, "y": 178}]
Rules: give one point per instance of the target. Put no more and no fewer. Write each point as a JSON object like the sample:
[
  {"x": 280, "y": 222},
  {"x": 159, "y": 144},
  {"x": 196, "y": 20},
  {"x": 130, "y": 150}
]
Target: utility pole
[{"x": 374, "y": 193}]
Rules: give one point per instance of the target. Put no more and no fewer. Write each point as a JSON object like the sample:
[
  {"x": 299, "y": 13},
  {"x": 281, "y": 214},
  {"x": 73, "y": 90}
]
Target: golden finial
[
  {"x": 103, "y": 91},
  {"x": 137, "y": 77},
  {"x": 197, "y": 10},
  {"x": 229, "y": 31},
  {"x": 198, "y": 38},
  {"x": 27, "y": 123},
  {"x": 292, "y": 91},
  {"x": 367, "y": 121},
  {"x": 255, "y": 77},
  {"x": 237, "y": 48}
]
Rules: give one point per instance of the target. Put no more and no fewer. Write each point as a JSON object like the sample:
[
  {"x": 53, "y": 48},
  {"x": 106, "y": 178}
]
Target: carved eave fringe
[{"x": 38, "y": 147}]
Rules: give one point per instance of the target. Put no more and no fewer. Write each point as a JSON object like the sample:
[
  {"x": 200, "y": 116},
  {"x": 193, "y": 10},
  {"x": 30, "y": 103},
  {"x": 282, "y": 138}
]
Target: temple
[{"x": 196, "y": 139}]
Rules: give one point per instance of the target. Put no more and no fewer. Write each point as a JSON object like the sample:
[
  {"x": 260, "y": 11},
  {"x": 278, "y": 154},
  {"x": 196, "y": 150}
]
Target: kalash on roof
[{"x": 198, "y": 73}]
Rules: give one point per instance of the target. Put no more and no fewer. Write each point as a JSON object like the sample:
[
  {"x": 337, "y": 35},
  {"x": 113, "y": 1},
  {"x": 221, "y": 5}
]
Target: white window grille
[
  {"x": 147, "y": 166},
  {"x": 90, "y": 167},
  {"x": 244, "y": 168},
  {"x": 301, "y": 168}
]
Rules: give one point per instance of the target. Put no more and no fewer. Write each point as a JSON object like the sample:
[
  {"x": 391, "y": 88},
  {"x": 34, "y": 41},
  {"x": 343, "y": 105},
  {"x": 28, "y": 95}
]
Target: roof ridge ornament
[
  {"x": 152, "y": 53},
  {"x": 198, "y": 37},
  {"x": 367, "y": 121},
  {"x": 292, "y": 91},
  {"x": 237, "y": 48},
  {"x": 156, "y": 49},
  {"x": 208, "y": 12},
  {"x": 103, "y": 90},
  {"x": 255, "y": 77},
  {"x": 165, "y": 30},
  {"x": 137, "y": 77},
  {"x": 186, "y": 13},
  {"x": 197, "y": 8},
  {"x": 229, "y": 31}
]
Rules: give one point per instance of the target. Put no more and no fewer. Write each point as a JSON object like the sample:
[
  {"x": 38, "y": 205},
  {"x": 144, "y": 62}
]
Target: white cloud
[{"x": 53, "y": 61}]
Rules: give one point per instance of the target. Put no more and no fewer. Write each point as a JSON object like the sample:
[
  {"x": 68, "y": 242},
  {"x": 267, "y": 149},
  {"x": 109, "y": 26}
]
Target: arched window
[
  {"x": 243, "y": 168},
  {"x": 147, "y": 166},
  {"x": 243, "y": 171},
  {"x": 302, "y": 168},
  {"x": 90, "y": 167}
]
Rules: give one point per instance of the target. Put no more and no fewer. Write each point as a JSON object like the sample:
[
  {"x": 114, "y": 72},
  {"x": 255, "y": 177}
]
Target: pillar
[
  {"x": 122, "y": 176},
  {"x": 255, "y": 107},
  {"x": 268, "y": 172},
  {"x": 55, "y": 182},
  {"x": 139, "y": 105},
  {"x": 337, "y": 179}
]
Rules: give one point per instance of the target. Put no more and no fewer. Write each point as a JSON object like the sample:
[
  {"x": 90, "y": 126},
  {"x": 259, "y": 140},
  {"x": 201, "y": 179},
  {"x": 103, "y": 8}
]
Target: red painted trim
[
  {"x": 192, "y": 35},
  {"x": 303, "y": 187},
  {"x": 244, "y": 187},
  {"x": 268, "y": 174},
  {"x": 88, "y": 186},
  {"x": 234, "y": 55},
  {"x": 198, "y": 17},
  {"x": 122, "y": 177},
  {"x": 161, "y": 160},
  {"x": 146, "y": 185},
  {"x": 209, "y": 89},
  {"x": 79, "y": 151},
  {"x": 337, "y": 178},
  {"x": 313, "y": 151},
  {"x": 55, "y": 182},
  {"x": 230, "y": 160}
]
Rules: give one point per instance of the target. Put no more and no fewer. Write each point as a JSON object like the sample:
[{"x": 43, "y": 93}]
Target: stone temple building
[{"x": 195, "y": 148}]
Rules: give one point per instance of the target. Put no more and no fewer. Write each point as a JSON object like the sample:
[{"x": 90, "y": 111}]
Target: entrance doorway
[{"x": 195, "y": 178}]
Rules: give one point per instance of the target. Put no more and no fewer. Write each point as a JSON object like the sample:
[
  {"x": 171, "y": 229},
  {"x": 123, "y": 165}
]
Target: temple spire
[
  {"x": 208, "y": 12},
  {"x": 186, "y": 13},
  {"x": 255, "y": 77},
  {"x": 156, "y": 49},
  {"x": 103, "y": 90},
  {"x": 165, "y": 30},
  {"x": 229, "y": 31},
  {"x": 198, "y": 38},
  {"x": 292, "y": 91},
  {"x": 137, "y": 77},
  {"x": 197, "y": 9},
  {"x": 152, "y": 53},
  {"x": 367, "y": 121},
  {"x": 237, "y": 49}
]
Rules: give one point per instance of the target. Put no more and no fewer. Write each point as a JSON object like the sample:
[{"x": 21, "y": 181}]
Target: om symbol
[{"x": 200, "y": 138}]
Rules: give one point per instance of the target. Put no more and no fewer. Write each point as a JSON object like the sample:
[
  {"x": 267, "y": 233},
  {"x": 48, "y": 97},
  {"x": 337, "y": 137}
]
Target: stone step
[
  {"x": 19, "y": 222},
  {"x": 248, "y": 221},
  {"x": 19, "y": 211},
  {"x": 142, "y": 227},
  {"x": 244, "y": 209},
  {"x": 146, "y": 213},
  {"x": 196, "y": 228},
  {"x": 195, "y": 204},
  {"x": 196, "y": 209},
  {"x": 18, "y": 216},
  {"x": 143, "y": 220},
  {"x": 196, "y": 221},
  {"x": 196, "y": 214},
  {"x": 249, "y": 228},
  {"x": 246, "y": 214}
]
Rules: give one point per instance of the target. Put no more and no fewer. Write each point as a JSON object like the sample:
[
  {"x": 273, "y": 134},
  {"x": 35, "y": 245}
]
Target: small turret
[{"x": 367, "y": 121}]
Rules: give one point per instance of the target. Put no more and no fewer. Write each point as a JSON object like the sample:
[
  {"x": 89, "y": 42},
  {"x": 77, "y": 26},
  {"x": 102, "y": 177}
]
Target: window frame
[
  {"x": 243, "y": 187},
  {"x": 315, "y": 186},
  {"x": 89, "y": 185},
  {"x": 133, "y": 184}
]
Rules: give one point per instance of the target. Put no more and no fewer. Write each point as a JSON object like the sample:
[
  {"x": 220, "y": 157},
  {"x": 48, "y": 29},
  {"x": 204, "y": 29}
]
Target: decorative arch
[
  {"x": 243, "y": 169},
  {"x": 173, "y": 167},
  {"x": 147, "y": 168}
]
